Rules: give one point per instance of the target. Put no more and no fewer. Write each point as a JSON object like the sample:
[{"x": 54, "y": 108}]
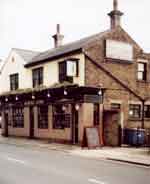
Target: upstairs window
[
  {"x": 67, "y": 70},
  {"x": 134, "y": 111},
  {"x": 141, "y": 71},
  {"x": 14, "y": 81},
  {"x": 37, "y": 76}
]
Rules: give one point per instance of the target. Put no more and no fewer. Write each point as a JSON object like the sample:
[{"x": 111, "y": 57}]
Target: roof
[
  {"x": 64, "y": 49},
  {"x": 27, "y": 55},
  {"x": 1, "y": 64}
]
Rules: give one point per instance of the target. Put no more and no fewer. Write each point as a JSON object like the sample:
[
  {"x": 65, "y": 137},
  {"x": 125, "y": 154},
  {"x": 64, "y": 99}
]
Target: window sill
[
  {"x": 146, "y": 119},
  {"x": 135, "y": 119},
  {"x": 142, "y": 81}
]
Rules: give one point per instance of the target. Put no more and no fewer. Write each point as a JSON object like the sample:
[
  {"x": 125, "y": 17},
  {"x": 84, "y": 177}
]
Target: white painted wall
[
  {"x": 25, "y": 74},
  {"x": 51, "y": 74},
  {"x": 17, "y": 66}
]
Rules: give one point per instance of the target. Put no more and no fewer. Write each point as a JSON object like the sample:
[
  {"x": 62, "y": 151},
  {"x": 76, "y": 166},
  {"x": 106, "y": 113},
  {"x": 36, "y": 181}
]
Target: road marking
[
  {"x": 92, "y": 180},
  {"x": 16, "y": 160}
]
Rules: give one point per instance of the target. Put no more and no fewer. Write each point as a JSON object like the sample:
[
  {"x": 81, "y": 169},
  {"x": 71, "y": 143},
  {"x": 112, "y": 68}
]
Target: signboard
[
  {"x": 71, "y": 68},
  {"x": 91, "y": 137},
  {"x": 119, "y": 50}
]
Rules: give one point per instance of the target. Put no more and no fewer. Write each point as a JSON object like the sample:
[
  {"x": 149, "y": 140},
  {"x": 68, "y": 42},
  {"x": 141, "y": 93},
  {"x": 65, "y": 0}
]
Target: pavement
[{"x": 139, "y": 156}]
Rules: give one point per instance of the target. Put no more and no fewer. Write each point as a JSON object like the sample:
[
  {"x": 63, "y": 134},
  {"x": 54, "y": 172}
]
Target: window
[
  {"x": 67, "y": 70},
  {"x": 18, "y": 117},
  {"x": 96, "y": 114},
  {"x": 134, "y": 111},
  {"x": 141, "y": 71},
  {"x": 147, "y": 111},
  {"x": 61, "y": 117},
  {"x": 37, "y": 76},
  {"x": 115, "y": 106},
  {"x": 14, "y": 81},
  {"x": 43, "y": 116}
]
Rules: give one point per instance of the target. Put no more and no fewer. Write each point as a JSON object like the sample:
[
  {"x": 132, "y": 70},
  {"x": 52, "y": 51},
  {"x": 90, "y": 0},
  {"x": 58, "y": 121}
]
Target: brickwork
[{"x": 127, "y": 73}]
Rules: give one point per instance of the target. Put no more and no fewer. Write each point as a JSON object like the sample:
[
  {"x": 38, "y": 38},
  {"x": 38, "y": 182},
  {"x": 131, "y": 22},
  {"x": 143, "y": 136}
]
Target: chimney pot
[{"x": 58, "y": 38}]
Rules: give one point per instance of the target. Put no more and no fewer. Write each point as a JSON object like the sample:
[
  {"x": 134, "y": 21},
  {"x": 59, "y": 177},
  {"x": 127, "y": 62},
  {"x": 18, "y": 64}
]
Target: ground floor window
[
  {"x": 134, "y": 111},
  {"x": 147, "y": 111},
  {"x": 18, "y": 117},
  {"x": 96, "y": 114},
  {"x": 43, "y": 116},
  {"x": 61, "y": 116}
]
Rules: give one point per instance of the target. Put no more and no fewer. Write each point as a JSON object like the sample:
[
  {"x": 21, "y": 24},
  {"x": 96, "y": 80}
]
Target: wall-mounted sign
[
  {"x": 71, "y": 68},
  {"x": 119, "y": 50}
]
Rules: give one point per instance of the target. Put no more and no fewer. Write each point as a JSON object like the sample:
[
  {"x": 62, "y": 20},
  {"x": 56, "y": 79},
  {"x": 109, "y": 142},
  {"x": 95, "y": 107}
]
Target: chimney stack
[
  {"x": 115, "y": 15},
  {"x": 58, "y": 38}
]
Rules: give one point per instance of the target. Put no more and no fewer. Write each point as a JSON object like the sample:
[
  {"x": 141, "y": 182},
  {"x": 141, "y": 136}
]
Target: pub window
[
  {"x": 37, "y": 76},
  {"x": 67, "y": 70},
  {"x": 61, "y": 117},
  {"x": 96, "y": 114},
  {"x": 14, "y": 81},
  {"x": 43, "y": 117},
  {"x": 141, "y": 71},
  {"x": 134, "y": 111},
  {"x": 115, "y": 106},
  {"x": 147, "y": 111},
  {"x": 18, "y": 117}
]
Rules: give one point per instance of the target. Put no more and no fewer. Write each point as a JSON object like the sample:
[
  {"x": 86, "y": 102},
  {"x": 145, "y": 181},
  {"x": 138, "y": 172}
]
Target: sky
[{"x": 29, "y": 24}]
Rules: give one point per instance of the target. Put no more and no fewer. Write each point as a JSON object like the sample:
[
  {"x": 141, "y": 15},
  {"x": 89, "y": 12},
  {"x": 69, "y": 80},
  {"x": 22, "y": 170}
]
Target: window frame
[
  {"x": 147, "y": 112},
  {"x": 60, "y": 118},
  {"x": 62, "y": 72},
  {"x": 115, "y": 106},
  {"x": 136, "y": 109},
  {"x": 18, "y": 119},
  {"x": 142, "y": 71},
  {"x": 37, "y": 77},
  {"x": 14, "y": 81},
  {"x": 42, "y": 117}
]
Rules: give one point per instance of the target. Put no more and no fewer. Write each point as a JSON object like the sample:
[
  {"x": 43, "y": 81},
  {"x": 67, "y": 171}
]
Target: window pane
[
  {"x": 140, "y": 75},
  {"x": 140, "y": 66}
]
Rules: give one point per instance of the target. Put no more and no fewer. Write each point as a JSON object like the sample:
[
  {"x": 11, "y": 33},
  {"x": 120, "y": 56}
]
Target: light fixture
[
  {"x": 48, "y": 95},
  {"x": 65, "y": 92},
  {"x": 77, "y": 106},
  {"x": 100, "y": 92},
  {"x": 130, "y": 112},
  {"x": 16, "y": 98},
  {"x": 33, "y": 97},
  {"x": 6, "y": 99},
  {"x": 63, "y": 107}
]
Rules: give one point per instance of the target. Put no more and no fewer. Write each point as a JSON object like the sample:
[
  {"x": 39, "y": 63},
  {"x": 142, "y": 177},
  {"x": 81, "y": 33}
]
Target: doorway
[
  {"x": 75, "y": 125},
  {"x": 5, "y": 124},
  {"x": 31, "y": 122},
  {"x": 111, "y": 128}
]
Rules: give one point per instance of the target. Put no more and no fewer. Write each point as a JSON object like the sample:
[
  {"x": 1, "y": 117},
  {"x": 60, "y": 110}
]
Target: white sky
[{"x": 29, "y": 24}]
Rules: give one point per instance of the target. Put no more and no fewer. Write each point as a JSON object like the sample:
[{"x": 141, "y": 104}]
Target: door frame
[
  {"x": 74, "y": 125},
  {"x": 31, "y": 123},
  {"x": 6, "y": 119}
]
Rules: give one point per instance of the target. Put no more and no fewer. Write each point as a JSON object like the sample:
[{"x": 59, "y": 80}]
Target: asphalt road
[{"x": 20, "y": 165}]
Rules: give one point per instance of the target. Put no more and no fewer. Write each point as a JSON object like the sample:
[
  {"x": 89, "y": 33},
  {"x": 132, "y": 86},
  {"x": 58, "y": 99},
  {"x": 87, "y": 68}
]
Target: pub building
[{"x": 99, "y": 81}]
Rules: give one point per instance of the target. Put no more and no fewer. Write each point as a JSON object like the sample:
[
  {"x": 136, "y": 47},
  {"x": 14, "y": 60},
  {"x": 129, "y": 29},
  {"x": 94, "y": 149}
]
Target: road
[{"x": 24, "y": 165}]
